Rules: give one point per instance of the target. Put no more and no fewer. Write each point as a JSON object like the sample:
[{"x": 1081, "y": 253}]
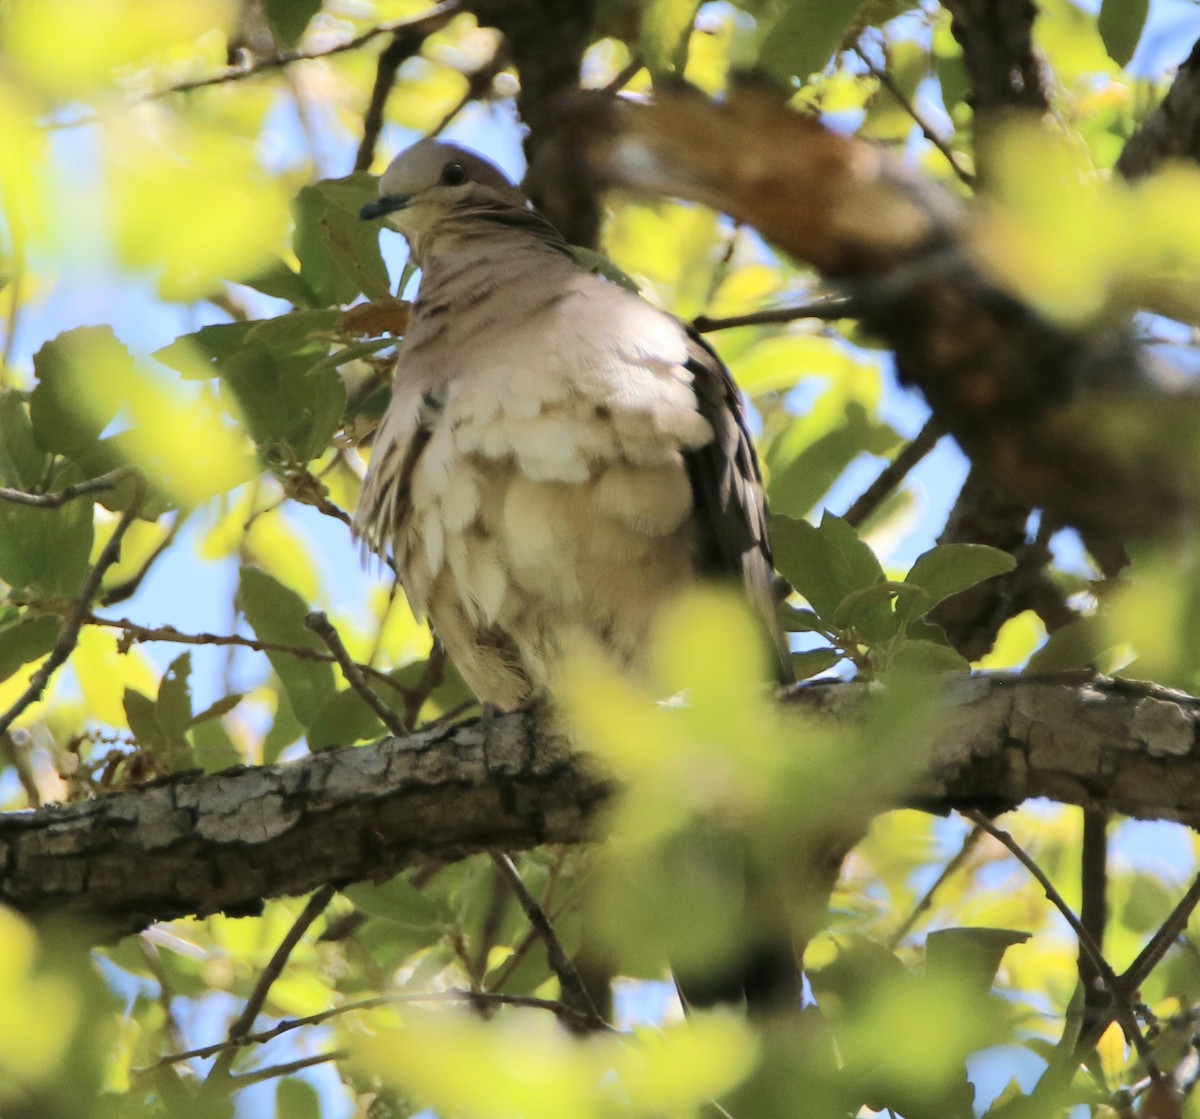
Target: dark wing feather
[{"x": 727, "y": 491}]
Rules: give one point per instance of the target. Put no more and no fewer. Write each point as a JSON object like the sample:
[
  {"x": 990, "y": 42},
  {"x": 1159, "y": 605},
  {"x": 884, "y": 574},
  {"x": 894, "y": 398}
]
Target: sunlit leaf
[
  {"x": 949, "y": 569},
  {"x": 339, "y": 253}
]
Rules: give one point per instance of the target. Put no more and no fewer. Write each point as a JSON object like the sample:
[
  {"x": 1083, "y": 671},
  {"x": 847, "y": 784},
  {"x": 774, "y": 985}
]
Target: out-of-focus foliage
[{"x": 229, "y": 211}]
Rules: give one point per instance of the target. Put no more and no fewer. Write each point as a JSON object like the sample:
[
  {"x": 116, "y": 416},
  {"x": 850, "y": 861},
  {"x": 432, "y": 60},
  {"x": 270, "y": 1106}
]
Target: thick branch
[
  {"x": 1172, "y": 131},
  {"x": 198, "y": 845}
]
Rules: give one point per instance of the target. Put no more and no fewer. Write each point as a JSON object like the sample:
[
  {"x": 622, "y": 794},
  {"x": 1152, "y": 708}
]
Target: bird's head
[{"x": 432, "y": 181}]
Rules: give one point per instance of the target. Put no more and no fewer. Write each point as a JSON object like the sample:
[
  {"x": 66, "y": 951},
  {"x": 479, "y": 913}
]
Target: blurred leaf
[
  {"x": 280, "y": 281},
  {"x": 925, "y": 657},
  {"x": 805, "y": 36},
  {"x": 289, "y": 18},
  {"x": 1073, "y": 646},
  {"x": 1121, "y": 23},
  {"x": 398, "y": 901},
  {"x": 666, "y": 26},
  {"x": 297, "y": 1099},
  {"x": 216, "y": 709},
  {"x": 970, "y": 957},
  {"x": 276, "y": 614},
  {"x": 74, "y": 48},
  {"x": 208, "y": 213},
  {"x": 46, "y": 551},
  {"x": 339, "y": 253},
  {"x": 286, "y": 728},
  {"x": 814, "y": 662},
  {"x": 63, "y": 422},
  {"x": 25, "y": 641},
  {"x": 797, "y": 485},
  {"x": 23, "y": 464}
]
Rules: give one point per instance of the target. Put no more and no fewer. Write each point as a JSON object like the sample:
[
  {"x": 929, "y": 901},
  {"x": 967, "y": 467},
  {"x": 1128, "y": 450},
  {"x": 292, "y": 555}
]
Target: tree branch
[{"x": 197, "y": 844}]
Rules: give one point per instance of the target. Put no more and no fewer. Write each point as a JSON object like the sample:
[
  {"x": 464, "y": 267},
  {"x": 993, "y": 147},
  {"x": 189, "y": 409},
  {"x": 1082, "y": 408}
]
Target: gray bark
[{"x": 196, "y": 844}]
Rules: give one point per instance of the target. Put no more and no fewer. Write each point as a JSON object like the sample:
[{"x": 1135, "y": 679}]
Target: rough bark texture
[
  {"x": 199, "y": 845},
  {"x": 1075, "y": 421},
  {"x": 1172, "y": 131}
]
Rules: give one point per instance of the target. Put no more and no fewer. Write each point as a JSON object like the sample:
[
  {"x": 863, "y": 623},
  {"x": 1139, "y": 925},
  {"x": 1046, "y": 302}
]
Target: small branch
[
  {"x": 1122, "y": 1010},
  {"x": 454, "y": 994},
  {"x": 893, "y": 474},
  {"x": 625, "y": 75},
  {"x": 953, "y": 865},
  {"x": 321, "y": 626},
  {"x": 560, "y": 962},
  {"x": 889, "y": 83},
  {"x": 479, "y": 84},
  {"x": 68, "y": 635},
  {"x": 259, "y": 1075},
  {"x": 254, "y": 1004},
  {"x": 128, "y": 589},
  {"x": 436, "y": 17},
  {"x": 1171, "y": 929},
  {"x": 134, "y": 632},
  {"x": 431, "y": 676},
  {"x": 827, "y": 308},
  {"x": 57, "y": 498}
]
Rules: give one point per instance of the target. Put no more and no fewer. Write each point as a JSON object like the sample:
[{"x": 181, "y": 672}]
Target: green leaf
[
  {"x": 400, "y": 902},
  {"x": 1075, "y": 645},
  {"x": 285, "y": 729},
  {"x": 949, "y": 569},
  {"x": 1120, "y": 23},
  {"x": 927, "y": 656},
  {"x": 805, "y": 36},
  {"x": 338, "y": 252},
  {"x": 281, "y": 282},
  {"x": 61, "y": 421},
  {"x": 297, "y": 1099},
  {"x": 968, "y": 957},
  {"x": 344, "y": 720},
  {"x": 286, "y": 401},
  {"x": 665, "y": 30},
  {"x": 143, "y": 720},
  {"x": 23, "y": 464},
  {"x": 862, "y": 607},
  {"x": 276, "y": 614},
  {"x": 174, "y": 706},
  {"x": 797, "y": 486},
  {"x": 288, "y": 20},
  {"x": 814, "y": 662},
  {"x": 828, "y": 563},
  {"x": 215, "y": 710},
  {"x": 24, "y": 641},
  {"x": 213, "y": 342},
  {"x": 212, "y": 748},
  {"x": 46, "y": 551}
]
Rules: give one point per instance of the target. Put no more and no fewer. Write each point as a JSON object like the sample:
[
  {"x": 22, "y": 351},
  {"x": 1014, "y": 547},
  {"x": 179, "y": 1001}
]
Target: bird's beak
[{"x": 387, "y": 204}]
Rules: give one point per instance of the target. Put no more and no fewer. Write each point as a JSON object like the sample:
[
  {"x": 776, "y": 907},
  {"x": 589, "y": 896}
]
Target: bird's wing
[{"x": 730, "y": 505}]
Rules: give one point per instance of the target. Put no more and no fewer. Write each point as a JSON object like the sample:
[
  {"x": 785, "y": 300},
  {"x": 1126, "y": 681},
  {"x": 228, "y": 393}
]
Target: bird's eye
[{"x": 454, "y": 174}]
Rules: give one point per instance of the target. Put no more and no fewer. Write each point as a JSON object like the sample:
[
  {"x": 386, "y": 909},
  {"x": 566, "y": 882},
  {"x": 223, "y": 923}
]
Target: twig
[
  {"x": 625, "y": 75},
  {"x": 127, "y": 589},
  {"x": 454, "y": 994},
  {"x": 436, "y": 17},
  {"x": 270, "y": 1073},
  {"x": 254, "y": 1004},
  {"x": 321, "y": 626},
  {"x": 479, "y": 82},
  {"x": 1093, "y": 907},
  {"x": 406, "y": 42},
  {"x": 931, "y": 134},
  {"x": 135, "y": 632},
  {"x": 827, "y": 308},
  {"x": 57, "y": 498},
  {"x": 953, "y": 865},
  {"x": 893, "y": 474},
  {"x": 431, "y": 676},
  {"x": 560, "y": 962},
  {"x": 68, "y": 635},
  {"x": 1167, "y": 934},
  {"x": 1121, "y": 1007}
]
